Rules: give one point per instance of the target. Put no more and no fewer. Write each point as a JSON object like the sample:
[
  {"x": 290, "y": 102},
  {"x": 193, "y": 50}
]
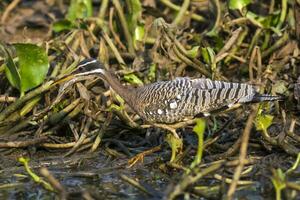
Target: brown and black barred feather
[{"x": 183, "y": 98}]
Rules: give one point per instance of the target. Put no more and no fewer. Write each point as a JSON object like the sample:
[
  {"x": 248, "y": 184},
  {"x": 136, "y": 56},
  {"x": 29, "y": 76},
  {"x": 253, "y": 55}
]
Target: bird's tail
[{"x": 265, "y": 97}]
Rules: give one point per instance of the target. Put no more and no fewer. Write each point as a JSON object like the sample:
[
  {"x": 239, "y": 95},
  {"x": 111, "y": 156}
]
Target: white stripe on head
[
  {"x": 93, "y": 72},
  {"x": 87, "y": 63}
]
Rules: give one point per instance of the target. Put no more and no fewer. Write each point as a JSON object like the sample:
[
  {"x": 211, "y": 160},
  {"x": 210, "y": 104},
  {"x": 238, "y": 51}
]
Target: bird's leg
[
  {"x": 168, "y": 128},
  {"x": 174, "y": 141},
  {"x": 140, "y": 156}
]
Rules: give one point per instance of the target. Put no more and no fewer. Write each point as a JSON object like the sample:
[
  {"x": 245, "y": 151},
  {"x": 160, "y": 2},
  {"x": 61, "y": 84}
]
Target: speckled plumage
[{"x": 182, "y": 98}]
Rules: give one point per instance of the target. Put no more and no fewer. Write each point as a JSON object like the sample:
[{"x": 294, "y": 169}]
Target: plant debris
[{"x": 84, "y": 142}]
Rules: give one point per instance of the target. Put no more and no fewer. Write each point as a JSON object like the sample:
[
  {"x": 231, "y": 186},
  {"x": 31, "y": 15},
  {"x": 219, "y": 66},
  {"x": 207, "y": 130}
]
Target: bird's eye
[{"x": 80, "y": 69}]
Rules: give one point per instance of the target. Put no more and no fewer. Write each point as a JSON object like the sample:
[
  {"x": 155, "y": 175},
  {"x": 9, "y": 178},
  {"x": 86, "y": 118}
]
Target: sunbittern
[{"x": 181, "y": 99}]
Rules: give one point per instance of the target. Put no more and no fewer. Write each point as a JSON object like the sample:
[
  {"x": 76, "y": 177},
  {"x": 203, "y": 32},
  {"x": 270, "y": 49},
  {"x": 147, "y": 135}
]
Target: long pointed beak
[{"x": 80, "y": 76}]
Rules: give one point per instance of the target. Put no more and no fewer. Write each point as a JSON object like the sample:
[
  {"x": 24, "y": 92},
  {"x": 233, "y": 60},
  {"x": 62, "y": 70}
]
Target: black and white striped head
[{"x": 89, "y": 67}]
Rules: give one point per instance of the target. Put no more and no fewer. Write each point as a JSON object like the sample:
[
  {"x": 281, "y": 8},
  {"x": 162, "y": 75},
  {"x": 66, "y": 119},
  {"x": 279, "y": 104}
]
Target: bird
[{"x": 178, "y": 100}]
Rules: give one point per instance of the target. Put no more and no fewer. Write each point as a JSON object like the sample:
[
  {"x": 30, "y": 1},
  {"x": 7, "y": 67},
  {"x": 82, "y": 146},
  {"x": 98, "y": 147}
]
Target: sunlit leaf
[
  {"x": 238, "y": 4},
  {"x": 263, "y": 122},
  {"x": 133, "y": 79},
  {"x": 139, "y": 33},
  {"x": 192, "y": 53},
  {"x": 33, "y": 65},
  {"x": 199, "y": 128},
  {"x": 80, "y": 9}
]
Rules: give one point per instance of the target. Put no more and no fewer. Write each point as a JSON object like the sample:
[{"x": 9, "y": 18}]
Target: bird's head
[{"x": 89, "y": 67}]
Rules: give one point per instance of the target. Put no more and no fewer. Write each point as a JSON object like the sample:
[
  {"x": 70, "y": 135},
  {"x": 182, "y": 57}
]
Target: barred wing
[{"x": 169, "y": 102}]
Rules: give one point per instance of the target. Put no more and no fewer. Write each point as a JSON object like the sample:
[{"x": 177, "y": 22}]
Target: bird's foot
[
  {"x": 140, "y": 156},
  {"x": 168, "y": 128}
]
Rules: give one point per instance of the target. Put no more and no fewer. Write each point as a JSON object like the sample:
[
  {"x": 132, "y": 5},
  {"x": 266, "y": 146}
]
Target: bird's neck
[{"x": 127, "y": 93}]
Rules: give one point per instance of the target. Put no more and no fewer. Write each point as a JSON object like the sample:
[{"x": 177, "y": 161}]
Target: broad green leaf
[
  {"x": 62, "y": 25},
  {"x": 263, "y": 122},
  {"x": 80, "y": 9},
  {"x": 33, "y": 65},
  {"x": 133, "y": 79},
  {"x": 192, "y": 53},
  {"x": 11, "y": 71},
  {"x": 238, "y": 4}
]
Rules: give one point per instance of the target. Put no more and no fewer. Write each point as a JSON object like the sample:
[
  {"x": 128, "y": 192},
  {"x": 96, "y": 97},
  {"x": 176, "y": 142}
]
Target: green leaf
[
  {"x": 152, "y": 71},
  {"x": 199, "y": 129},
  {"x": 278, "y": 181},
  {"x": 133, "y": 79},
  {"x": 268, "y": 21},
  {"x": 34, "y": 176},
  {"x": 62, "y": 25},
  {"x": 11, "y": 71},
  {"x": 33, "y": 65},
  {"x": 175, "y": 143},
  {"x": 208, "y": 55},
  {"x": 238, "y": 4},
  {"x": 263, "y": 122},
  {"x": 192, "y": 53},
  {"x": 139, "y": 33},
  {"x": 135, "y": 12},
  {"x": 80, "y": 9},
  {"x": 279, "y": 87}
]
